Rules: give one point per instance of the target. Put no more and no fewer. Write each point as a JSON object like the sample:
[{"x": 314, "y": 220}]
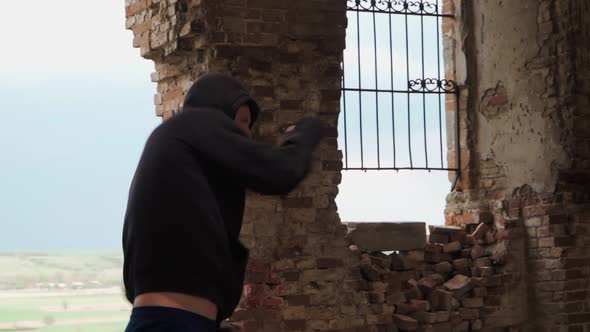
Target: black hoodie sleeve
[{"x": 263, "y": 168}]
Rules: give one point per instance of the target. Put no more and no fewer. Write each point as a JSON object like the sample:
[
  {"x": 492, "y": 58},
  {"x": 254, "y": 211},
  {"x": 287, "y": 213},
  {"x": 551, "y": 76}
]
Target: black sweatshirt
[{"x": 186, "y": 202}]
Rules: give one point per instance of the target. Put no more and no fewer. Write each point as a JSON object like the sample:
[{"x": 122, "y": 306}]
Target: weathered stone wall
[{"x": 525, "y": 107}]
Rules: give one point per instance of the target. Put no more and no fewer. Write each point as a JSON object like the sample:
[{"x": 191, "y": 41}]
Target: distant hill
[{"x": 20, "y": 270}]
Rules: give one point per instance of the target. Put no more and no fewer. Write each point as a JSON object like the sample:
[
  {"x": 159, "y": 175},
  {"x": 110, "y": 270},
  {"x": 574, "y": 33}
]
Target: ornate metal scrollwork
[
  {"x": 432, "y": 85},
  {"x": 395, "y": 6}
]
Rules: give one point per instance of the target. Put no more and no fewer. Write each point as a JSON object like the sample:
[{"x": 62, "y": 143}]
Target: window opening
[{"x": 393, "y": 88}]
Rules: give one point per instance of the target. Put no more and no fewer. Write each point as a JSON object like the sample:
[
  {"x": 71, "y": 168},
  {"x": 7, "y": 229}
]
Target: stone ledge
[{"x": 387, "y": 236}]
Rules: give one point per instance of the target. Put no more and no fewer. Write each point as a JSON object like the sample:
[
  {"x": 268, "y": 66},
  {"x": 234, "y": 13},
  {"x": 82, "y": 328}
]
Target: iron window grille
[{"x": 393, "y": 74}]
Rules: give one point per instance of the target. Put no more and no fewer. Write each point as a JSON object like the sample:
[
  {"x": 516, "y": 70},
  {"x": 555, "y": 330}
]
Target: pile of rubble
[{"x": 450, "y": 285}]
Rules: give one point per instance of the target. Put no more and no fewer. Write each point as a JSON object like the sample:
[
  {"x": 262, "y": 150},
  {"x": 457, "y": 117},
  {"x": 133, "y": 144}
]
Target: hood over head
[{"x": 221, "y": 92}]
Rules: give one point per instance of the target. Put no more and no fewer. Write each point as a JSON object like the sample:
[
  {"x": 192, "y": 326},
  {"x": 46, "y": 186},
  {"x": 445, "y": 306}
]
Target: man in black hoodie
[{"x": 183, "y": 262}]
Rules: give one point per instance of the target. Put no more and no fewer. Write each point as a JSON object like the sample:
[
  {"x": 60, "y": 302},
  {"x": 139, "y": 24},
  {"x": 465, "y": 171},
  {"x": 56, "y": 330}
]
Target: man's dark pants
[{"x": 164, "y": 319}]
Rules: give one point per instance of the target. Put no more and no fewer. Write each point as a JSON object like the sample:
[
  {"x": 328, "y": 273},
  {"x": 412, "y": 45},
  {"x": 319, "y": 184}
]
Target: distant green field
[
  {"x": 103, "y": 327},
  {"x": 69, "y": 311},
  {"x": 62, "y": 292},
  {"x": 24, "y": 270}
]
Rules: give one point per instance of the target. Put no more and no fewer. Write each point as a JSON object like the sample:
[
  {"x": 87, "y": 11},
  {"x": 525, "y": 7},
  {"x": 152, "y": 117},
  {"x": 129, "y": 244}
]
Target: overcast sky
[{"x": 75, "y": 111}]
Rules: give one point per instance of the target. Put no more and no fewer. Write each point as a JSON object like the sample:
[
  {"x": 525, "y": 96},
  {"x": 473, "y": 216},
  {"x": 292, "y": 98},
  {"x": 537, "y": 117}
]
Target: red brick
[
  {"x": 142, "y": 27},
  {"x": 455, "y": 318},
  {"x": 405, "y": 323},
  {"x": 257, "y": 277},
  {"x": 443, "y": 316},
  {"x": 174, "y": 94},
  {"x": 574, "y": 274},
  {"x": 290, "y": 104},
  {"x": 405, "y": 309},
  {"x": 489, "y": 238},
  {"x": 558, "y": 219},
  {"x": 136, "y": 7},
  {"x": 498, "y": 99},
  {"x": 263, "y": 91},
  {"x": 469, "y": 313},
  {"x": 466, "y": 253},
  {"x": 258, "y": 296},
  {"x": 576, "y": 262},
  {"x": 326, "y": 263},
  {"x": 298, "y": 300},
  {"x": 485, "y": 217},
  {"x": 574, "y": 307},
  {"x": 452, "y": 247},
  {"x": 266, "y": 4},
  {"x": 298, "y": 202},
  {"x": 462, "y": 264},
  {"x": 412, "y": 291},
  {"x": 425, "y": 317},
  {"x": 459, "y": 285},
  {"x": 481, "y": 231},
  {"x": 396, "y": 298},
  {"x": 482, "y": 262},
  {"x": 469, "y": 240},
  {"x": 273, "y": 302},
  {"x": 477, "y": 252},
  {"x": 431, "y": 257},
  {"x": 576, "y": 296},
  {"x": 564, "y": 241},
  {"x": 484, "y": 271},
  {"x": 295, "y": 324},
  {"x": 458, "y": 236},
  {"x": 420, "y": 305},
  {"x": 491, "y": 281},
  {"x": 433, "y": 248},
  {"x": 441, "y": 300},
  {"x": 462, "y": 219},
  {"x": 441, "y": 327},
  {"x": 331, "y": 94},
  {"x": 253, "y": 325},
  {"x": 370, "y": 272},
  {"x": 393, "y": 280},
  {"x": 474, "y": 302},
  {"x": 480, "y": 292},
  {"x": 376, "y": 297},
  {"x": 292, "y": 276},
  {"x": 332, "y": 165},
  {"x": 429, "y": 283},
  {"x": 443, "y": 267},
  {"x": 258, "y": 265},
  {"x": 504, "y": 234},
  {"x": 578, "y": 318},
  {"x": 438, "y": 238},
  {"x": 400, "y": 263}
]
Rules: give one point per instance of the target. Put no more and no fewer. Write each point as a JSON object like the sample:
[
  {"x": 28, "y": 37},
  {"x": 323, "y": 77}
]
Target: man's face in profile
[{"x": 243, "y": 119}]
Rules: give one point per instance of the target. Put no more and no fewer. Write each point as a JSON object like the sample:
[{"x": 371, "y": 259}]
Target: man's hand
[{"x": 229, "y": 327}]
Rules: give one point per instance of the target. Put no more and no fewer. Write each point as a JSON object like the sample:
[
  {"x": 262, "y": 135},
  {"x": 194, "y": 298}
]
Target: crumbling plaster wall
[
  {"x": 524, "y": 112},
  {"x": 521, "y": 67},
  {"x": 517, "y": 129}
]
